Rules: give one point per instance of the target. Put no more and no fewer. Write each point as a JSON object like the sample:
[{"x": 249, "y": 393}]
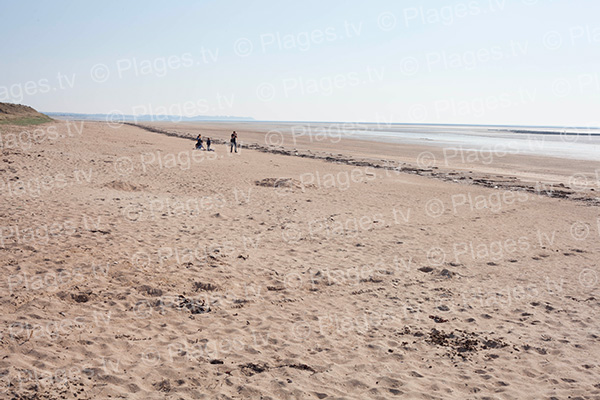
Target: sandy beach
[{"x": 136, "y": 267}]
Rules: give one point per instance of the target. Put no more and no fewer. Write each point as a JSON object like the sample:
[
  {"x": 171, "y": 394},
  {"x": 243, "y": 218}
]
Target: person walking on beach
[
  {"x": 199, "y": 143},
  {"x": 208, "y": 144},
  {"x": 233, "y": 142}
]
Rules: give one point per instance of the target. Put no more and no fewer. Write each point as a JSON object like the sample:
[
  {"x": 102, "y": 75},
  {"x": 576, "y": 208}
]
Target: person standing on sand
[
  {"x": 233, "y": 142},
  {"x": 199, "y": 143},
  {"x": 208, "y": 144}
]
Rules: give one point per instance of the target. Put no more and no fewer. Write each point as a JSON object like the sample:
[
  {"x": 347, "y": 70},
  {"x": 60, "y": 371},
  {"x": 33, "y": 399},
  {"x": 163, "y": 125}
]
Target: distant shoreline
[
  {"x": 569, "y": 143},
  {"x": 146, "y": 118},
  {"x": 547, "y": 129}
]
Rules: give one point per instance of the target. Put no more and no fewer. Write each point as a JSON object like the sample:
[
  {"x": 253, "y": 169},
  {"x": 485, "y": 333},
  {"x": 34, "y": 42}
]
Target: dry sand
[{"x": 136, "y": 268}]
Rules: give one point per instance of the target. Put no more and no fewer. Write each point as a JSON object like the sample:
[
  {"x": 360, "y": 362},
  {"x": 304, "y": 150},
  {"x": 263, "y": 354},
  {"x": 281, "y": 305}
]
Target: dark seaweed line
[{"x": 455, "y": 177}]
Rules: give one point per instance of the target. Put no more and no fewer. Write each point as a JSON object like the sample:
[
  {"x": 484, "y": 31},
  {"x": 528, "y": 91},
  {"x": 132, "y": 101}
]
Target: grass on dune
[{"x": 36, "y": 120}]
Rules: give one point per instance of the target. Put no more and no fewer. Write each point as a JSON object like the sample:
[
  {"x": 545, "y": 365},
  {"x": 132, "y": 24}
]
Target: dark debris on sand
[
  {"x": 163, "y": 386},
  {"x": 250, "y": 369},
  {"x": 438, "y": 320},
  {"x": 196, "y": 306},
  {"x": 302, "y": 367},
  {"x": 288, "y": 183},
  {"x": 458, "y": 342},
  {"x": 80, "y": 297},
  {"x": 150, "y": 291},
  {"x": 207, "y": 287}
]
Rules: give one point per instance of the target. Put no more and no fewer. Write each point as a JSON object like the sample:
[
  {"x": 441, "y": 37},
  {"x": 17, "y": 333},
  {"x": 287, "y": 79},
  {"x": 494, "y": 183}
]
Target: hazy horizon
[
  {"x": 236, "y": 118},
  {"x": 478, "y": 62}
]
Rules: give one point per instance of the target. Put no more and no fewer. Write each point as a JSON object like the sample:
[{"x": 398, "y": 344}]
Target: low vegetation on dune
[{"x": 18, "y": 114}]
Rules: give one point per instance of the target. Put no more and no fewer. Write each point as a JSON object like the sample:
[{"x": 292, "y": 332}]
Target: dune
[{"x": 18, "y": 114}]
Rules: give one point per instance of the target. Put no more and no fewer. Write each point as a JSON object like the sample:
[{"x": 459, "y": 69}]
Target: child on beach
[
  {"x": 208, "y": 145},
  {"x": 199, "y": 143}
]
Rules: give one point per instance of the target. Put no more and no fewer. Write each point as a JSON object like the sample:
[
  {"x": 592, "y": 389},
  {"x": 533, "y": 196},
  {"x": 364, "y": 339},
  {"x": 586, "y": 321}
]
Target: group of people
[{"x": 200, "y": 143}]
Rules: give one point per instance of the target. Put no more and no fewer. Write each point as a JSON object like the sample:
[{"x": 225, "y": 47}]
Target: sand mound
[
  {"x": 288, "y": 183},
  {"x": 18, "y": 114},
  {"x": 123, "y": 186}
]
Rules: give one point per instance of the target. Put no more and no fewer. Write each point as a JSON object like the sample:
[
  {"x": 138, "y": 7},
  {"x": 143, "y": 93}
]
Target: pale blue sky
[{"x": 532, "y": 62}]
